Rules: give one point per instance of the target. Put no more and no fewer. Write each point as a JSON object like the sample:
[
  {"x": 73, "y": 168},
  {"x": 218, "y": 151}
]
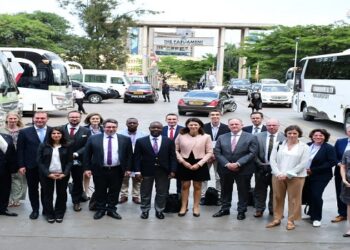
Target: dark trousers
[
  {"x": 80, "y": 105},
  {"x": 262, "y": 182},
  {"x": 33, "y": 180},
  {"x": 316, "y": 188},
  {"x": 5, "y": 189},
  {"x": 48, "y": 186},
  {"x": 161, "y": 183},
  {"x": 107, "y": 187},
  {"x": 242, "y": 182},
  {"x": 166, "y": 96},
  {"x": 338, "y": 186},
  {"x": 77, "y": 190}
]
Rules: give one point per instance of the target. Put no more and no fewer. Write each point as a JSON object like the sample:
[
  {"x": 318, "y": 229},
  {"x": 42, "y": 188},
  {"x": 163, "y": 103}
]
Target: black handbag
[
  {"x": 173, "y": 204},
  {"x": 211, "y": 197}
]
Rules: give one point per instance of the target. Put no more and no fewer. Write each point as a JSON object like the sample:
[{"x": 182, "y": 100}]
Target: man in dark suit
[
  {"x": 7, "y": 166},
  {"x": 171, "y": 131},
  {"x": 154, "y": 161},
  {"x": 235, "y": 153},
  {"x": 214, "y": 128},
  {"x": 257, "y": 121},
  {"x": 263, "y": 176},
  {"x": 77, "y": 136},
  {"x": 27, "y": 147},
  {"x": 107, "y": 156},
  {"x": 341, "y": 145}
]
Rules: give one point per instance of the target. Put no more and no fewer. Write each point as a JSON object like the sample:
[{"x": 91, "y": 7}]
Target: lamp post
[{"x": 297, "y": 39}]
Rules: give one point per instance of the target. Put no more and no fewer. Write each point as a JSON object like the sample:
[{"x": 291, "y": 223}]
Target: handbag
[
  {"x": 173, "y": 204},
  {"x": 211, "y": 197}
]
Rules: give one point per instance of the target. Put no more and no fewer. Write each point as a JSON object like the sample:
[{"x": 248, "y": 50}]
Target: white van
[{"x": 105, "y": 79}]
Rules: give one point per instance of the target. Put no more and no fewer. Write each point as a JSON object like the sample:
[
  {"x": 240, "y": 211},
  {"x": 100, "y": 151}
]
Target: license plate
[
  {"x": 196, "y": 103},
  {"x": 138, "y": 93},
  {"x": 138, "y": 96}
]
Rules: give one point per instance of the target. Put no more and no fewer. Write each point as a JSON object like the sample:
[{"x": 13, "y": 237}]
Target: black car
[
  {"x": 95, "y": 94},
  {"x": 238, "y": 86},
  {"x": 204, "y": 101},
  {"x": 141, "y": 93}
]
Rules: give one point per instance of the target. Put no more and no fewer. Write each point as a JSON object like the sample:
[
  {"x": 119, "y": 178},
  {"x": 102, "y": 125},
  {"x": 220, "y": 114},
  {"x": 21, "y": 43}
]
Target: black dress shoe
[
  {"x": 202, "y": 201},
  {"x": 34, "y": 215},
  {"x": 77, "y": 207},
  {"x": 160, "y": 215},
  {"x": 84, "y": 197},
  {"x": 7, "y": 213},
  {"x": 114, "y": 215},
  {"x": 99, "y": 214},
  {"x": 241, "y": 216},
  {"x": 144, "y": 215},
  {"x": 346, "y": 235},
  {"x": 50, "y": 219},
  {"x": 221, "y": 213}
]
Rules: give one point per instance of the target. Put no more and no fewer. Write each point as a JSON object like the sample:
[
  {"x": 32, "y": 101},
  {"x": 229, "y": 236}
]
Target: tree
[
  {"x": 274, "y": 51},
  {"x": 106, "y": 30},
  {"x": 231, "y": 60}
]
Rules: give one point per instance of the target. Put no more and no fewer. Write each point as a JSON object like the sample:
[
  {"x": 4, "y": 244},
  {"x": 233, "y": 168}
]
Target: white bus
[
  {"x": 8, "y": 90},
  {"x": 322, "y": 87},
  {"x": 44, "y": 83}
]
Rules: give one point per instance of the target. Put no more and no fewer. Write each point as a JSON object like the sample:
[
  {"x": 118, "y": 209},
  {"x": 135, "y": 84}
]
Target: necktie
[
  {"x": 155, "y": 145},
  {"x": 171, "y": 135},
  {"x": 71, "y": 132},
  {"x": 269, "y": 150},
  {"x": 109, "y": 151},
  {"x": 256, "y": 130},
  {"x": 41, "y": 134},
  {"x": 233, "y": 143}
]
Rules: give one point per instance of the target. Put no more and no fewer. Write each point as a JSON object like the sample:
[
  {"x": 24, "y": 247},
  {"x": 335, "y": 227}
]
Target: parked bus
[
  {"x": 43, "y": 83},
  {"x": 322, "y": 87},
  {"x": 8, "y": 90}
]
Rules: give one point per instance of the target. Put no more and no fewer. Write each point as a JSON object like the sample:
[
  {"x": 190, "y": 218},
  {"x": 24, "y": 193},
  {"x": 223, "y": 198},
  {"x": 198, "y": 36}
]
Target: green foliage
[
  {"x": 275, "y": 51},
  {"x": 231, "y": 59}
]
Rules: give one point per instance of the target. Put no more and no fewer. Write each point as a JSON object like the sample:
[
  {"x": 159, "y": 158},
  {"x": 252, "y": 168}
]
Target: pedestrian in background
[
  {"x": 19, "y": 183},
  {"x": 255, "y": 101},
  {"x": 79, "y": 99},
  {"x": 165, "y": 91}
]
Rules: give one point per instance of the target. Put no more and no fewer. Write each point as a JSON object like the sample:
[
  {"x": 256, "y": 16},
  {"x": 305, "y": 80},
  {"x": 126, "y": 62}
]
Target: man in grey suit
[
  {"x": 235, "y": 153},
  {"x": 107, "y": 156},
  {"x": 263, "y": 177}
]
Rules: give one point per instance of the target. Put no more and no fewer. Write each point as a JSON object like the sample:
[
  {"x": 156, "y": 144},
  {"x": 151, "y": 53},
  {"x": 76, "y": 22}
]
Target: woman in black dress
[{"x": 193, "y": 150}]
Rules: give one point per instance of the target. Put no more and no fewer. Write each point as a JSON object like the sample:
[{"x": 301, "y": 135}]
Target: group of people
[{"x": 279, "y": 161}]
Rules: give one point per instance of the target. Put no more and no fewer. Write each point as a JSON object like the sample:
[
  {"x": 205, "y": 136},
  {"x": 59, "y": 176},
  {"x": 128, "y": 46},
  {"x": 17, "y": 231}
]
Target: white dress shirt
[
  {"x": 55, "y": 164},
  {"x": 115, "y": 155}
]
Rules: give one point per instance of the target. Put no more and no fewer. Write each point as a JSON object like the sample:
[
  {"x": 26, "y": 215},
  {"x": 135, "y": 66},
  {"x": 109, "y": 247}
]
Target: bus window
[
  {"x": 117, "y": 80},
  {"x": 96, "y": 78}
]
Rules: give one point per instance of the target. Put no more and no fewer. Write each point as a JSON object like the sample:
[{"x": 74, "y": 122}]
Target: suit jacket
[
  {"x": 165, "y": 131},
  {"x": 340, "y": 146},
  {"x": 322, "y": 163},
  {"x": 244, "y": 154},
  {"x": 88, "y": 127},
  {"x": 8, "y": 163},
  {"x": 200, "y": 146},
  {"x": 94, "y": 153},
  {"x": 223, "y": 129},
  {"x": 27, "y": 146},
  {"x": 249, "y": 129},
  {"x": 44, "y": 157},
  {"x": 146, "y": 161},
  {"x": 78, "y": 141},
  {"x": 262, "y": 145}
]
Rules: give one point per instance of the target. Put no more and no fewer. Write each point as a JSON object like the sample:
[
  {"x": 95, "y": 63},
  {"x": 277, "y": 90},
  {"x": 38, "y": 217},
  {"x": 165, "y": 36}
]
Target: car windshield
[
  {"x": 275, "y": 89},
  {"x": 202, "y": 94},
  {"x": 270, "y": 81},
  {"x": 240, "y": 82},
  {"x": 140, "y": 86}
]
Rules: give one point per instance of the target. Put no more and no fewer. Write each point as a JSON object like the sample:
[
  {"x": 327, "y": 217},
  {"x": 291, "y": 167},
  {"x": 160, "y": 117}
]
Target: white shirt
[
  {"x": 78, "y": 94},
  {"x": 238, "y": 135},
  {"x": 115, "y": 155},
  {"x": 169, "y": 129},
  {"x": 44, "y": 129},
  {"x": 159, "y": 141},
  {"x": 76, "y": 128},
  {"x": 259, "y": 129},
  {"x": 3, "y": 144},
  {"x": 55, "y": 164},
  {"x": 267, "y": 143}
]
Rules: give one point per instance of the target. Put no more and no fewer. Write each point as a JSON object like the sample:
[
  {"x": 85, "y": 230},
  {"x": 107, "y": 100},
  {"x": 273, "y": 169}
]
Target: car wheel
[
  {"x": 117, "y": 94},
  {"x": 125, "y": 100},
  {"x": 182, "y": 112},
  {"x": 95, "y": 98},
  {"x": 222, "y": 110},
  {"x": 233, "y": 107},
  {"x": 307, "y": 117}
]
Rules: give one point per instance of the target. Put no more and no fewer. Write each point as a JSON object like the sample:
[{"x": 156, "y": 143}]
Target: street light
[{"x": 297, "y": 39}]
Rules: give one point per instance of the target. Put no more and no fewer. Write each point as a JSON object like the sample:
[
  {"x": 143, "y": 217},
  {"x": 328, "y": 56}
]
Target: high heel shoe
[
  {"x": 196, "y": 214},
  {"x": 182, "y": 214}
]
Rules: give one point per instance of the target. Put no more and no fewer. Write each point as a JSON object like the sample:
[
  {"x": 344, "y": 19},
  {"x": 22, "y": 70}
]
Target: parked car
[
  {"x": 204, "y": 101},
  {"x": 255, "y": 87},
  {"x": 269, "y": 81},
  {"x": 141, "y": 93},
  {"x": 95, "y": 94},
  {"x": 276, "y": 94},
  {"x": 238, "y": 86}
]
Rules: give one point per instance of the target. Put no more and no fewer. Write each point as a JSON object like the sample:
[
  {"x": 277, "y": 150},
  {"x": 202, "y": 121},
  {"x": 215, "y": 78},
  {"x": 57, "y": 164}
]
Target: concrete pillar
[
  {"x": 144, "y": 50},
  {"x": 220, "y": 57},
  {"x": 242, "y": 72}
]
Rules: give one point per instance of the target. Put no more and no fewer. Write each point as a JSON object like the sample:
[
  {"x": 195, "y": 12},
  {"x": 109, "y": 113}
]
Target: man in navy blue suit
[
  {"x": 341, "y": 145},
  {"x": 107, "y": 156},
  {"x": 27, "y": 147},
  {"x": 154, "y": 161},
  {"x": 171, "y": 131},
  {"x": 7, "y": 166}
]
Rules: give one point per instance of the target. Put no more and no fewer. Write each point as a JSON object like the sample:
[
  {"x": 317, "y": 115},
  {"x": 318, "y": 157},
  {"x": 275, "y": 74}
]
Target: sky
[{"x": 283, "y": 12}]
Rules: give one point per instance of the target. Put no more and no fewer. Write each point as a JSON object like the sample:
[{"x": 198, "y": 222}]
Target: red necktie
[
  {"x": 71, "y": 133},
  {"x": 171, "y": 136}
]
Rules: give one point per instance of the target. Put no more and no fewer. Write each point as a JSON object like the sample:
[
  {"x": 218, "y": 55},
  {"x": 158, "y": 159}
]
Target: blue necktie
[
  {"x": 109, "y": 151},
  {"x": 41, "y": 133},
  {"x": 155, "y": 145}
]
